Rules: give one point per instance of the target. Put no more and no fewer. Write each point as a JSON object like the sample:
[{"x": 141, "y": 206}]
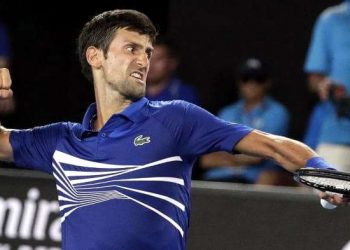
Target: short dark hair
[{"x": 100, "y": 30}]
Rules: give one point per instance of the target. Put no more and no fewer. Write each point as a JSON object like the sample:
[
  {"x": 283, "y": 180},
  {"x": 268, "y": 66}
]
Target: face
[
  {"x": 252, "y": 90},
  {"x": 126, "y": 64},
  {"x": 161, "y": 66}
]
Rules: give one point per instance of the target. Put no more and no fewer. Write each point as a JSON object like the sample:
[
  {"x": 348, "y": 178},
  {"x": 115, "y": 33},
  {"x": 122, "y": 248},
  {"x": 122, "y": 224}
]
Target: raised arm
[
  {"x": 288, "y": 153},
  {"x": 5, "y": 92}
]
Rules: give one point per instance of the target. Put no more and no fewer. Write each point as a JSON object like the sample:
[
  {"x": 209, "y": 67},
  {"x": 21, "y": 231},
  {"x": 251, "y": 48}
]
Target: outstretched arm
[
  {"x": 5, "y": 92},
  {"x": 288, "y": 153}
]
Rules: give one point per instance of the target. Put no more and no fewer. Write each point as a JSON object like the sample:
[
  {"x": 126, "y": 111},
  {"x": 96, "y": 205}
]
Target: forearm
[
  {"x": 219, "y": 159},
  {"x": 291, "y": 154},
  {"x": 288, "y": 153}
]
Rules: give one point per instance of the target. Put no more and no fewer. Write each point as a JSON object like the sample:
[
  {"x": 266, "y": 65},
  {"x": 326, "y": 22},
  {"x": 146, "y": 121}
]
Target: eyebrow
[{"x": 139, "y": 46}]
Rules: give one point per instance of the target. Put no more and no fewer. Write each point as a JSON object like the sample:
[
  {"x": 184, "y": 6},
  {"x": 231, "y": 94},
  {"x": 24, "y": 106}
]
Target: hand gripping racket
[{"x": 325, "y": 180}]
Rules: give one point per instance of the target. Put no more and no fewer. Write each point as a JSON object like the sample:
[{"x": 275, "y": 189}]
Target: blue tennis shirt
[{"x": 128, "y": 185}]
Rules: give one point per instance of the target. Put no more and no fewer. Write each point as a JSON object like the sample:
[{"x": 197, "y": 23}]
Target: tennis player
[{"x": 123, "y": 176}]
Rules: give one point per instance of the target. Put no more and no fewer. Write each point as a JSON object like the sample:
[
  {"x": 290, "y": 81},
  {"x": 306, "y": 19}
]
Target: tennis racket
[{"x": 325, "y": 180}]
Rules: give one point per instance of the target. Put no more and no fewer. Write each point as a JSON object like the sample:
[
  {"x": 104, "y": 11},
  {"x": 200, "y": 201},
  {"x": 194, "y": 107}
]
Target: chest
[
  {"x": 139, "y": 158},
  {"x": 127, "y": 145}
]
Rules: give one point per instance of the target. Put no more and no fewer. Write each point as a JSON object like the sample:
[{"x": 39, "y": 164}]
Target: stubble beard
[{"x": 131, "y": 90}]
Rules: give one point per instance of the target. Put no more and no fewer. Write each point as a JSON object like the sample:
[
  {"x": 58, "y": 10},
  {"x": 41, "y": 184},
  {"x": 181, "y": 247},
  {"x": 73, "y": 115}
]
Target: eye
[{"x": 130, "y": 49}]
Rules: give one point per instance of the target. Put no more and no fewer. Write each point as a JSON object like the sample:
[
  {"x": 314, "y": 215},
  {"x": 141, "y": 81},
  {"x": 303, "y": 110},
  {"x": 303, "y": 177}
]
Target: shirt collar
[{"x": 132, "y": 112}]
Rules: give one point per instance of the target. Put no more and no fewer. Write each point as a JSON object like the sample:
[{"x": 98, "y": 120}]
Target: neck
[{"x": 108, "y": 102}]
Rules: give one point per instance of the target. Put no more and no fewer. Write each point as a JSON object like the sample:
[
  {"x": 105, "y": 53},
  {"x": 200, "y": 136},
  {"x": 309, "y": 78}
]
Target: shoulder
[
  {"x": 59, "y": 129},
  {"x": 167, "y": 111},
  {"x": 177, "y": 111},
  {"x": 334, "y": 12},
  {"x": 54, "y": 127},
  {"x": 45, "y": 133},
  {"x": 176, "y": 106}
]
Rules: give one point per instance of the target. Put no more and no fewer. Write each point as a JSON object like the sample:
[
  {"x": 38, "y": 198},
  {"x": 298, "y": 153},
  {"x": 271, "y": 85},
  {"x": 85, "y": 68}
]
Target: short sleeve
[
  {"x": 34, "y": 148},
  {"x": 318, "y": 59},
  {"x": 203, "y": 132}
]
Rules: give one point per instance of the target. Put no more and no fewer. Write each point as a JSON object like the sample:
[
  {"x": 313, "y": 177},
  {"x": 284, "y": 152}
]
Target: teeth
[{"x": 136, "y": 75}]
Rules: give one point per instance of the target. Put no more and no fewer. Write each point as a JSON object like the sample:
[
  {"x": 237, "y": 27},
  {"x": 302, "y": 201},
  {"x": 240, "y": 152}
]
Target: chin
[{"x": 135, "y": 96}]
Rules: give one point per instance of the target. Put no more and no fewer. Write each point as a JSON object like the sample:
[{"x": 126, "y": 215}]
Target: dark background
[{"x": 212, "y": 36}]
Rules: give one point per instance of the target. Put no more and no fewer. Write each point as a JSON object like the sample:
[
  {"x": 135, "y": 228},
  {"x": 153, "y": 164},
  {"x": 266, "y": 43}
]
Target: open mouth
[{"x": 137, "y": 75}]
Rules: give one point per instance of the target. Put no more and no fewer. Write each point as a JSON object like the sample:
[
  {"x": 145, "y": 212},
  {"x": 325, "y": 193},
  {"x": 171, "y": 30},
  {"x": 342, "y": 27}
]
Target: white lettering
[
  {"x": 29, "y": 213},
  {"x": 14, "y": 208},
  {"x": 55, "y": 230},
  {"x": 29, "y": 219},
  {"x": 44, "y": 211}
]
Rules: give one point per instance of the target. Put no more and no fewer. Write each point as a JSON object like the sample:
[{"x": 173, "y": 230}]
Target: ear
[{"x": 94, "y": 56}]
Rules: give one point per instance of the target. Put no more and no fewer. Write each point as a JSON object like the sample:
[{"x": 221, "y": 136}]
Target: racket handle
[{"x": 327, "y": 205}]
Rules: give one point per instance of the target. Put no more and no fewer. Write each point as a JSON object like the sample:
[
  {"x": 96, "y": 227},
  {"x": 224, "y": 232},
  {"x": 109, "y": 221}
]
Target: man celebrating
[{"x": 123, "y": 175}]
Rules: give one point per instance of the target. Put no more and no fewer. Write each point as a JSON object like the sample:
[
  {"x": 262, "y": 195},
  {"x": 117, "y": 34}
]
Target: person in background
[
  {"x": 258, "y": 110},
  {"x": 162, "y": 82},
  {"x": 328, "y": 67},
  {"x": 7, "y": 106}
]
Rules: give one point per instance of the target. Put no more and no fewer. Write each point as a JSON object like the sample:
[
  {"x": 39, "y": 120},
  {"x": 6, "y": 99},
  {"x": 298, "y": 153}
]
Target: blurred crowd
[{"x": 327, "y": 70}]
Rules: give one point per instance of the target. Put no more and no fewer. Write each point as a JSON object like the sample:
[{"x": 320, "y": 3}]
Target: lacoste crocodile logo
[{"x": 140, "y": 140}]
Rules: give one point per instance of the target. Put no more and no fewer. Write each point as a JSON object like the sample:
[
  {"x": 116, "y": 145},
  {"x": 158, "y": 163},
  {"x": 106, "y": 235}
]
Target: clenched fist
[
  {"x": 7, "y": 102},
  {"x": 5, "y": 84}
]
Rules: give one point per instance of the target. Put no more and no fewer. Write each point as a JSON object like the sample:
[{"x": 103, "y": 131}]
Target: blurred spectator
[
  {"x": 258, "y": 110},
  {"x": 328, "y": 68},
  {"x": 162, "y": 83},
  {"x": 4, "y": 47}
]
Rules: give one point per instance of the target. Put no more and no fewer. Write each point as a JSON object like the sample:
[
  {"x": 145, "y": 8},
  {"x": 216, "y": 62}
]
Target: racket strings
[{"x": 330, "y": 182}]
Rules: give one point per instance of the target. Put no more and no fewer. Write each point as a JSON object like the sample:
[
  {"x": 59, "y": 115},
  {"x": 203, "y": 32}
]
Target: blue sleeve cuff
[{"x": 318, "y": 162}]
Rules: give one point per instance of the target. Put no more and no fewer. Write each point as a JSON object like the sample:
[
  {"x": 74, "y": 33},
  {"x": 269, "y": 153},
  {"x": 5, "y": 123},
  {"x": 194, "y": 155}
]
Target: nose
[{"x": 142, "y": 60}]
